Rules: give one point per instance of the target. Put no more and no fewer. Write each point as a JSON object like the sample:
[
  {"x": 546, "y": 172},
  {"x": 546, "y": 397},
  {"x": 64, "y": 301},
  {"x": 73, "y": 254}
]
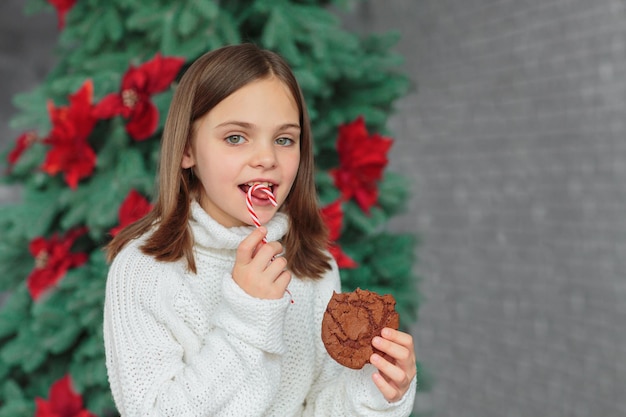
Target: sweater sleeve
[
  {"x": 339, "y": 391},
  {"x": 234, "y": 370}
]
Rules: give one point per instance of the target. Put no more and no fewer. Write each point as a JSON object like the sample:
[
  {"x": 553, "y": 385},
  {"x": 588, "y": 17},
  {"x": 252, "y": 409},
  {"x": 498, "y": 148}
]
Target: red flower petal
[
  {"x": 159, "y": 73},
  {"x": 111, "y": 105},
  {"x": 52, "y": 260},
  {"x": 343, "y": 260},
  {"x": 135, "y": 79},
  {"x": 71, "y": 127},
  {"x": 133, "y": 100},
  {"x": 81, "y": 108},
  {"x": 62, "y": 6},
  {"x": 38, "y": 245},
  {"x": 143, "y": 122},
  {"x": 23, "y": 142},
  {"x": 43, "y": 408},
  {"x": 362, "y": 160},
  {"x": 63, "y": 401},
  {"x": 332, "y": 215},
  {"x": 133, "y": 208},
  {"x": 76, "y": 160}
]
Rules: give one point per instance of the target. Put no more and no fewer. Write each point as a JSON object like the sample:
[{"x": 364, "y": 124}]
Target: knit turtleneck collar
[{"x": 209, "y": 233}]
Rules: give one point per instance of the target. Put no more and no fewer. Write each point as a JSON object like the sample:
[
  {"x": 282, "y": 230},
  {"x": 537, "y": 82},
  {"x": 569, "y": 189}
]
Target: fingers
[
  {"x": 281, "y": 283},
  {"x": 392, "y": 381},
  {"x": 389, "y": 391},
  {"x": 398, "y": 337},
  {"x": 266, "y": 254},
  {"x": 396, "y": 365},
  {"x": 258, "y": 270},
  {"x": 398, "y": 345},
  {"x": 248, "y": 247},
  {"x": 276, "y": 266}
]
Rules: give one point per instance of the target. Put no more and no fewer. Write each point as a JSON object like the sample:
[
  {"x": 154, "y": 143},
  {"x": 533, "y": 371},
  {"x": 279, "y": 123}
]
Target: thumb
[{"x": 249, "y": 246}]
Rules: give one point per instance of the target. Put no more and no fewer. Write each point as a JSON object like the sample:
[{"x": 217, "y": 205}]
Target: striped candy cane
[
  {"x": 255, "y": 218},
  {"x": 272, "y": 199}
]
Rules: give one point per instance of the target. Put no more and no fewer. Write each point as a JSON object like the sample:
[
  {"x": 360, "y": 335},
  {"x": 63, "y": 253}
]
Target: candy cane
[
  {"x": 270, "y": 196},
  {"x": 255, "y": 218}
]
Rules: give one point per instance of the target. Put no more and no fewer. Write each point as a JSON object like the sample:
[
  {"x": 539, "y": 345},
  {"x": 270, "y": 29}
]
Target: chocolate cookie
[{"x": 352, "y": 320}]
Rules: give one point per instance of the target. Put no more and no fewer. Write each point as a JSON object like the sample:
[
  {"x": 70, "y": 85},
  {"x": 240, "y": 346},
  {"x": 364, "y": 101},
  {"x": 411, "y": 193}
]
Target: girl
[{"x": 198, "y": 317}]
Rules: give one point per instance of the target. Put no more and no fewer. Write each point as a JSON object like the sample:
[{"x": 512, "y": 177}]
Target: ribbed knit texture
[{"x": 183, "y": 344}]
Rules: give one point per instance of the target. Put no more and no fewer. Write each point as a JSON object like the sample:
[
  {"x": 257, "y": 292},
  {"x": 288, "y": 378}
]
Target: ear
[{"x": 188, "y": 160}]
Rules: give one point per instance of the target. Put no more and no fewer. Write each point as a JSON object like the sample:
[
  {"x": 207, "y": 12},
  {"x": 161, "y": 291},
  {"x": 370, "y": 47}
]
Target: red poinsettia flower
[
  {"x": 362, "y": 159},
  {"x": 71, "y": 126},
  {"x": 62, "y": 6},
  {"x": 52, "y": 260},
  {"x": 133, "y": 208},
  {"x": 333, "y": 217},
  {"x": 133, "y": 101},
  {"x": 23, "y": 142},
  {"x": 63, "y": 401}
]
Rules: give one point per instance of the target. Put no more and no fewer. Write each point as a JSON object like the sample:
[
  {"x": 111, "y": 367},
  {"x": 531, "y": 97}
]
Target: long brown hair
[{"x": 209, "y": 80}]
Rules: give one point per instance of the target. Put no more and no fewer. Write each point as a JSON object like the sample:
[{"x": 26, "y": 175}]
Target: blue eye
[
  {"x": 284, "y": 141},
  {"x": 235, "y": 139}
]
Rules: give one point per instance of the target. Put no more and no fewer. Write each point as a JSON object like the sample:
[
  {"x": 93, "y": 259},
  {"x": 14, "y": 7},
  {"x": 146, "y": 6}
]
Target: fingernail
[
  {"x": 377, "y": 340},
  {"x": 386, "y": 332}
]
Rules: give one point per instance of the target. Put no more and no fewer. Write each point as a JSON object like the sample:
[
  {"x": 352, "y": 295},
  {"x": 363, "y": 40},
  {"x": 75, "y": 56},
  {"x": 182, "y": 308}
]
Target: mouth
[{"x": 245, "y": 187}]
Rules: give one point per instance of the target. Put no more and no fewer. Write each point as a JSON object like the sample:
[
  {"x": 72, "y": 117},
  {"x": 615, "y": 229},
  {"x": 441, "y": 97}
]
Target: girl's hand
[
  {"x": 397, "y": 369},
  {"x": 256, "y": 269}
]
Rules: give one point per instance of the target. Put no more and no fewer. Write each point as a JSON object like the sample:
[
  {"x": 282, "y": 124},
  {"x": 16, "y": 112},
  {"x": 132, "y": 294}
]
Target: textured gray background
[
  {"x": 26, "y": 55},
  {"x": 515, "y": 142}
]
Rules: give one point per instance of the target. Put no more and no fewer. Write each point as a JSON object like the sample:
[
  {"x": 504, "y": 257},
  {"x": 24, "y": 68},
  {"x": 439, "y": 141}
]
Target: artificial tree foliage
[{"x": 84, "y": 172}]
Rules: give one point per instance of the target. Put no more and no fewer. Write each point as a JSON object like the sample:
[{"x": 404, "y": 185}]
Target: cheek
[
  {"x": 291, "y": 171},
  {"x": 210, "y": 172},
  {"x": 294, "y": 166},
  {"x": 294, "y": 171}
]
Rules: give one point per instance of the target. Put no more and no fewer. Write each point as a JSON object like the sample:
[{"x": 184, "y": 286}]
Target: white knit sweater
[{"x": 183, "y": 344}]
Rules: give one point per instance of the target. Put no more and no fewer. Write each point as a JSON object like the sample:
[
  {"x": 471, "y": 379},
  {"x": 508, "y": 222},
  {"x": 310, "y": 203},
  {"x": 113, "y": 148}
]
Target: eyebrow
[{"x": 246, "y": 125}]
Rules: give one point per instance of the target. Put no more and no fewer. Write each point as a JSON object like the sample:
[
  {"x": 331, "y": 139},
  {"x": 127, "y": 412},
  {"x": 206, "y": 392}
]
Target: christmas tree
[{"x": 86, "y": 164}]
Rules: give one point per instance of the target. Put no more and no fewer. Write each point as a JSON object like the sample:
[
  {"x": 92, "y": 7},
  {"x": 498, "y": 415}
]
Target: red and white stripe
[
  {"x": 270, "y": 196},
  {"x": 255, "y": 218}
]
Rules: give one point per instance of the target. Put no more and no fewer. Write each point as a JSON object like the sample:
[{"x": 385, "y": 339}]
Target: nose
[{"x": 264, "y": 155}]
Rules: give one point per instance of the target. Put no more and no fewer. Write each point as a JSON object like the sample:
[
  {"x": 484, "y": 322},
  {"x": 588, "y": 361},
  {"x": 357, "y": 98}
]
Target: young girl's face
[{"x": 252, "y": 136}]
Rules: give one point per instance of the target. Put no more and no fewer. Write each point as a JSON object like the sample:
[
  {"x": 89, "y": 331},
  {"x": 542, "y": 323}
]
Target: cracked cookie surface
[{"x": 352, "y": 320}]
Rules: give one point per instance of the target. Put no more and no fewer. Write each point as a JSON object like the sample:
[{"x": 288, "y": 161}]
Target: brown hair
[{"x": 209, "y": 80}]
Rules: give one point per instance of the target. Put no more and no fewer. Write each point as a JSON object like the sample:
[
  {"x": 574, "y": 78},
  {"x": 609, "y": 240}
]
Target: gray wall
[
  {"x": 515, "y": 143},
  {"x": 26, "y": 55}
]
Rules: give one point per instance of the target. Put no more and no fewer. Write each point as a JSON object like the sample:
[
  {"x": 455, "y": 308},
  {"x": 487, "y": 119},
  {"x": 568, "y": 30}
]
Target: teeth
[{"x": 265, "y": 184}]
